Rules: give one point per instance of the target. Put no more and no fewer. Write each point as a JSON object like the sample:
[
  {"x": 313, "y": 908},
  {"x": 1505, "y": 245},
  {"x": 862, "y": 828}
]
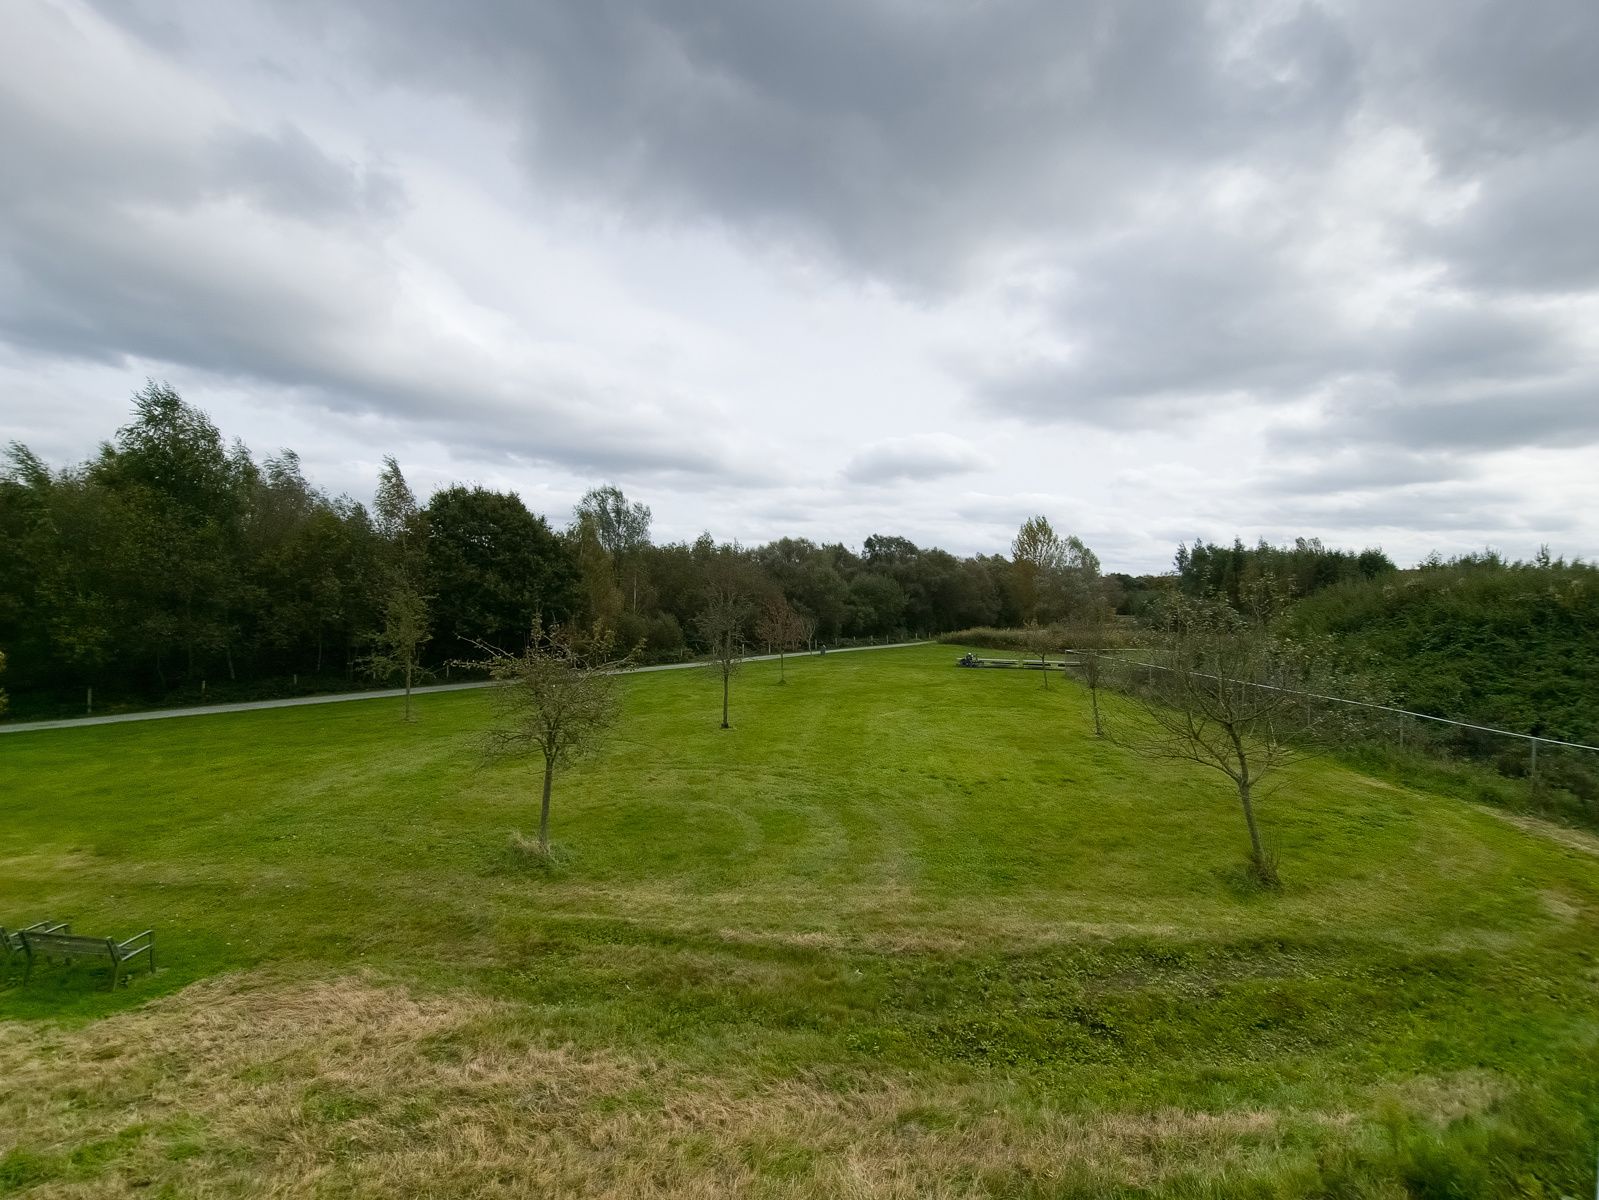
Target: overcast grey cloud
[
  {"x": 1155, "y": 269},
  {"x": 920, "y": 457},
  {"x": 904, "y": 139}
]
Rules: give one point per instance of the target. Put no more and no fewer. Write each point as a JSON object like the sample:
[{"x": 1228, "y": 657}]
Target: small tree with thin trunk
[
  {"x": 1093, "y": 632},
  {"x": 556, "y": 700},
  {"x": 721, "y": 623},
  {"x": 805, "y": 629},
  {"x": 781, "y": 629},
  {"x": 398, "y": 645},
  {"x": 1039, "y": 639},
  {"x": 1223, "y": 691},
  {"x": 1091, "y": 664}
]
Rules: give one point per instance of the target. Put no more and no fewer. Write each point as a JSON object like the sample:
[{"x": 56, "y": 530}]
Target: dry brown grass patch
[
  {"x": 1572, "y": 839},
  {"x": 273, "y": 1086}
]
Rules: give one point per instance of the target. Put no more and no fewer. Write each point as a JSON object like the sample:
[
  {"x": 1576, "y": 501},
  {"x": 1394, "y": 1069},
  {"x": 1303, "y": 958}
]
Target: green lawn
[{"x": 905, "y": 930}]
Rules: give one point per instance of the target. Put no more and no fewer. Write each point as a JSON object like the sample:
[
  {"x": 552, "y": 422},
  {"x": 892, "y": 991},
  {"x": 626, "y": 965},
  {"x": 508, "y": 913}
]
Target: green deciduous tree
[
  {"x": 397, "y": 651},
  {"x": 1054, "y": 576},
  {"x": 556, "y": 700},
  {"x": 620, "y": 529},
  {"x": 493, "y": 565}
]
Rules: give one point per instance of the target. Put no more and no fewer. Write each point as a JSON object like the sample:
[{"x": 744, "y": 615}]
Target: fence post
[
  {"x": 88, "y": 704},
  {"x": 1534, "y": 764}
]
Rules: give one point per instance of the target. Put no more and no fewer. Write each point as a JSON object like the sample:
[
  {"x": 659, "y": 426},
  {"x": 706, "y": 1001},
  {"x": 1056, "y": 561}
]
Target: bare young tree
[
  {"x": 1091, "y": 665},
  {"x": 782, "y": 629},
  {"x": 1093, "y": 632},
  {"x": 1223, "y": 692},
  {"x": 721, "y": 623},
  {"x": 398, "y": 645},
  {"x": 1039, "y": 639},
  {"x": 556, "y": 700}
]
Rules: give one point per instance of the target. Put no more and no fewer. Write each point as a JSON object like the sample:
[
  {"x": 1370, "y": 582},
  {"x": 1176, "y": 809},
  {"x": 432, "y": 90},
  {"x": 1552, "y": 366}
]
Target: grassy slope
[{"x": 905, "y": 930}]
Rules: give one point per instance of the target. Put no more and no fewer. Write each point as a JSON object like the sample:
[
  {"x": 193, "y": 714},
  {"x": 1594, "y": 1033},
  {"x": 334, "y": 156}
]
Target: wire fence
[{"x": 1531, "y": 740}]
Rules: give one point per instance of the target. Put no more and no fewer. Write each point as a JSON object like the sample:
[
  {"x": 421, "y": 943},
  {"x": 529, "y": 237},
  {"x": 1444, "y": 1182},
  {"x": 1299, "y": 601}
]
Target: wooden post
[{"x": 1535, "y": 764}]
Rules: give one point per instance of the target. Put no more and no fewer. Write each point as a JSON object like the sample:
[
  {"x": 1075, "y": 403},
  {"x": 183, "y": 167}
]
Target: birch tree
[{"x": 398, "y": 645}]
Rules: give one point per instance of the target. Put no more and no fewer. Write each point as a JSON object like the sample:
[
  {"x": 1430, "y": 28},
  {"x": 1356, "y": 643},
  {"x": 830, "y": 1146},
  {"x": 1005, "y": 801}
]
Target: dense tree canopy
[
  {"x": 1212, "y": 571},
  {"x": 173, "y": 560},
  {"x": 493, "y": 566}
]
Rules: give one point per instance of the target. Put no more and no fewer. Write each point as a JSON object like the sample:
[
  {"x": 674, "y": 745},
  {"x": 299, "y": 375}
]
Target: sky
[{"x": 1157, "y": 270}]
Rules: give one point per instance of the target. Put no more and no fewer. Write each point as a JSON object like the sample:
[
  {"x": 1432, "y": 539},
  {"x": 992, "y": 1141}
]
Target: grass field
[{"x": 904, "y": 931}]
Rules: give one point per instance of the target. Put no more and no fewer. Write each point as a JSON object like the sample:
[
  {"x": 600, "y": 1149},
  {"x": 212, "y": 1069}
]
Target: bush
[
  {"x": 1116, "y": 634},
  {"x": 665, "y": 634}
]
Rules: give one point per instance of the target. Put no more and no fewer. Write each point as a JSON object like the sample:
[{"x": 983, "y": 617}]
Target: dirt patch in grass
[
  {"x": 1572, "y": 839},
  {"x": 266, "y": 1085}
]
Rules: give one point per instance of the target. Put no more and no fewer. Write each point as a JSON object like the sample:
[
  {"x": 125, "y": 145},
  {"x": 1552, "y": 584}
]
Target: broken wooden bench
[
  {"x": 54, "y": 946},
  {"x": 11, "y": 939}
]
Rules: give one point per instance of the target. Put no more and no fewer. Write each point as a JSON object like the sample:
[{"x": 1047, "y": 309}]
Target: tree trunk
[
  {"x": 1093, "y": 695},
  {"x": 544, "y": 807},
  {"x": 227, "y": 652},
  {"x": 408, "y": 689},
  {"x": 725, "y": 679},
  {"x": 1258, "y": 850},
  {"x": 782, "y": 676}
]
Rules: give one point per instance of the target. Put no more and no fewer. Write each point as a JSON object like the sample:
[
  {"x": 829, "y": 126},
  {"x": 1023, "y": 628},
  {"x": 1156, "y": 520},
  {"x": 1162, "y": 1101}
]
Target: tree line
[{"x": 174, "y": 565}]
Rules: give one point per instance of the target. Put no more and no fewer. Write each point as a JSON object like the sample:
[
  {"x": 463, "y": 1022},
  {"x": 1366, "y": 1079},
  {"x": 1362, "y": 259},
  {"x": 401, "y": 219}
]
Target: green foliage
[
  {"x": 1111, "y": 634},
  {"x": 1478, "y": 640},
  {"x": 1054, "y": 577},
  {"x": 175, "y": 567},
  {"x": 397, "y": 646},
  {"x": 1511, "y": 645},
  {"x": 1230, "y": 573},
  {"x": 492, "y": 565}
]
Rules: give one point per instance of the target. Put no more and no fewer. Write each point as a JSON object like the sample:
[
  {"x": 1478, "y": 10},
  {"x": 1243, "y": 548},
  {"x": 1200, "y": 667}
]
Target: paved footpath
[{"x": 162, "y": 714}]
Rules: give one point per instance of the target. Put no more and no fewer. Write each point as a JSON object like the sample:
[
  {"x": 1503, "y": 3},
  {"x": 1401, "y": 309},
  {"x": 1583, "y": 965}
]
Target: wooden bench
[
  {"x": 11, "y": 939},
  {"x": 1026, "y": 664},
  {"x": 64, "y": 947}
]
